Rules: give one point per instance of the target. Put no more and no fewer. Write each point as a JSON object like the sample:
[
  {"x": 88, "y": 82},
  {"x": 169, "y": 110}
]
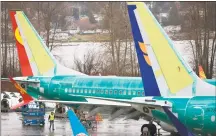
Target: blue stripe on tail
[{"x": 148, "y": 77}]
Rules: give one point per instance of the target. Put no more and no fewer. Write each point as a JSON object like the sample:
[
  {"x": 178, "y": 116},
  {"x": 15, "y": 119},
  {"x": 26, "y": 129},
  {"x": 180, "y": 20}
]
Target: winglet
[{"x": 26, "y": 98}]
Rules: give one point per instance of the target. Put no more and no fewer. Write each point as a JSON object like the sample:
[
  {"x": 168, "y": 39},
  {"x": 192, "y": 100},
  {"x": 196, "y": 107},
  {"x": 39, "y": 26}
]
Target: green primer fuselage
[{"x": 197, "y": 113}]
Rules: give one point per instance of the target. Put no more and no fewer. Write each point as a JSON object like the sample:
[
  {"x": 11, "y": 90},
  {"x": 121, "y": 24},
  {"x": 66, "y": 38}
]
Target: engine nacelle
[
  {"x": 5, "y": 105},
  {"x": 9, "y": 99}
]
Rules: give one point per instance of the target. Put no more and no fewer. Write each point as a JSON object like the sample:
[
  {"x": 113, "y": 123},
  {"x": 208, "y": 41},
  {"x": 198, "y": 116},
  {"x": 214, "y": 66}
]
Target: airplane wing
[
  {"x": 145, "y": 105},
  {"x": 148, "y": 105},
  {"x": 109, "y": 102}
]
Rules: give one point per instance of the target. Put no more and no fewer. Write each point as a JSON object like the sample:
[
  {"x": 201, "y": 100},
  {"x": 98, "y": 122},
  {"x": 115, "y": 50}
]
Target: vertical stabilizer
[
  {"x": 35, "y": 58},
  {"x": 173, "y": 75},
  {"x": 201, "y": 73}
]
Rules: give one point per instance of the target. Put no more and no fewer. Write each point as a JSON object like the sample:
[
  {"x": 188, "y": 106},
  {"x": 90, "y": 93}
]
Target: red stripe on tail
[{"x": 23, "y": 58}]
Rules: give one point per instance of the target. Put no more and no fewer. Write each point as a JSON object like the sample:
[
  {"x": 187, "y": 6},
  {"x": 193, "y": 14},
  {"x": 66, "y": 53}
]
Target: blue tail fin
[{"x": 77, "y": 127}]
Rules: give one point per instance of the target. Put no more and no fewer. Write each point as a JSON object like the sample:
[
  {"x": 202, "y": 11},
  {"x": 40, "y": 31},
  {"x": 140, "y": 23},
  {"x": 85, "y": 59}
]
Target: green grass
[{"x": 90, "y": 38}]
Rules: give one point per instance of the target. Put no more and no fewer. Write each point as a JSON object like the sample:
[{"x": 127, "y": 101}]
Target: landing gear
[{"x": 148, "y": 130}]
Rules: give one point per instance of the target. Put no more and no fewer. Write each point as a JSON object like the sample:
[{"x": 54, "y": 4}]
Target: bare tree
[
  {"x": 90, "y": 64},
  {"x": 202, "y": 33}
]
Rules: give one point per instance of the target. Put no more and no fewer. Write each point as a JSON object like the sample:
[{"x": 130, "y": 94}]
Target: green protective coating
[{"x": 197, "y": 113}]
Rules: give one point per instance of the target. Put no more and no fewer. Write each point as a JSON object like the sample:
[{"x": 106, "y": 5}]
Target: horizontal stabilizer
[
  {"x": 20, "y": 105},
  {"x": 26, "y": 98}
]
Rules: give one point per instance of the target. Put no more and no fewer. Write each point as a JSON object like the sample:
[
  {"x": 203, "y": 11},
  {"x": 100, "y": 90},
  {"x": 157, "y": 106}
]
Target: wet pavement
[{"x": 12, "y": 126}]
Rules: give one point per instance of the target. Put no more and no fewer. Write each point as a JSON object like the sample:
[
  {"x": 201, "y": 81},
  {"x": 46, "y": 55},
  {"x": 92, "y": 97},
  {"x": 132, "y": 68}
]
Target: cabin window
[
  {"x": 74, "y": 90},
  {"x": 143, "y": 93},
  {"x": 93, "y": 91},
  {"x": 70, "y": 90},
  {"x": 106, "y": 92},
  {"x": 102, "y": 91},
  {"x": 81, "y": 91},
  {"x": 124, "y": 92},
  {"x": 129, "y": 92},
  {"x": 85, "y": 91},
  {"x": 66, "y": 90},
  {"x": 120, "y": 92},
  {"x": 134, "y": 92},
  {"x": 110, "y": 91},
  {"x": 138, "y": 92},
  {"x": 77, "y": 90},
  {"x": 90, "y": 91},
  {"x": 115, "y": 92}
]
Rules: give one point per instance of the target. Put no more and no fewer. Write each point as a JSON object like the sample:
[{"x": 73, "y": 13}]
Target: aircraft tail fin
[
  {"x": 77, "y": 127},
  {"x": 34, "y": 56},
  {"x": 201, "y": 73},
  {"x": 26, "y": 98},
  {"x": 155, "y": 51}
]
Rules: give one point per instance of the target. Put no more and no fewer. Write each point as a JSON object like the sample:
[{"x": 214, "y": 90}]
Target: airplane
[
  {"x": 80, "y": 90},
  {"x": 76, "y": 125}
]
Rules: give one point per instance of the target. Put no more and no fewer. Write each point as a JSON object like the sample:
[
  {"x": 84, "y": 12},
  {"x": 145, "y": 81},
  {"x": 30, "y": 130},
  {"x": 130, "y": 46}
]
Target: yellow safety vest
[{"x": 51, "y": 117}]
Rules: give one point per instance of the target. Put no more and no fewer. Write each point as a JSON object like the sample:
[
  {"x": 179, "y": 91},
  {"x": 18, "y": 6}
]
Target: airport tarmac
[{"x": 12, "y": 126}]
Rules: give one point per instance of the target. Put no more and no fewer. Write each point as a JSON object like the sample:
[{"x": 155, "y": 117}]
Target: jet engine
[
  {"x": 5, "y": 105},
  {"x": 5, "y": 102},
  {"x": 9, "y": 99}
]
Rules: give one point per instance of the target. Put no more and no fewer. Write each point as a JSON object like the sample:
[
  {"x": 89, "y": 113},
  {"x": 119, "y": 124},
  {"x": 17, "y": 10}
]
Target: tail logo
[
  {"x": 18, "y": 37},
  {"x": 144, "y": 50}
]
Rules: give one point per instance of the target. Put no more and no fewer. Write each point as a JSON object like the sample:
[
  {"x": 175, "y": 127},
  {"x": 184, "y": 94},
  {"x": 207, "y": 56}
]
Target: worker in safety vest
[{"x": 51, "y": 120}]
